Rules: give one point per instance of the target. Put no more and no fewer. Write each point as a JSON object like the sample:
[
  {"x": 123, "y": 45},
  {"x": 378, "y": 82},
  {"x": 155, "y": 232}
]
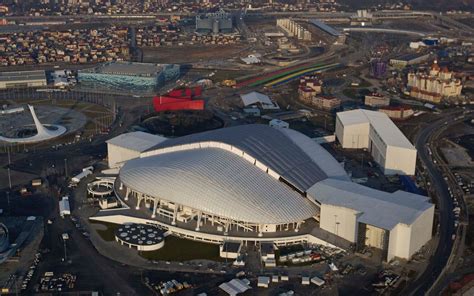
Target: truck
[
  {"x": 64, "y": 208},
  {"x": 80, "y": 176}
]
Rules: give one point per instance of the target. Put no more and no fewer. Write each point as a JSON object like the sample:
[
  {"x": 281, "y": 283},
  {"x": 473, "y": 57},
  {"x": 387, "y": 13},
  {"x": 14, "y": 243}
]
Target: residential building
[{"x": 435, "y": 85}]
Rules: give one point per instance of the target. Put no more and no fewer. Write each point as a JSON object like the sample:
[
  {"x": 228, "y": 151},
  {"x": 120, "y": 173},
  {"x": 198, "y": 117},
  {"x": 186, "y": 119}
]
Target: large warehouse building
[
  {"x": 257, "y": 183},
  {"x": 375, "y": 131},
  {"x": 23, "y": 79},
  {"x": 128, "y": 146}
]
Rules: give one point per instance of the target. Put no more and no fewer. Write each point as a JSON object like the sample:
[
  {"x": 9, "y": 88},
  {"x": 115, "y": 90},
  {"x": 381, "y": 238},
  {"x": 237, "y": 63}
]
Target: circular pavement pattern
[{"x": 140, "y": 236}]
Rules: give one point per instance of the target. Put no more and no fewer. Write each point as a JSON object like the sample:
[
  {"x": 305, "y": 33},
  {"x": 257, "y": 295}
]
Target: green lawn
[
  {"x": 175, "y": 249},
  {"x": 356, "y": 93},
  {"x": 364, "y": 83},
  {"x": 108, "y": 234},
  {"x": 179, "y": 249},
  {"x": 351, "y": 93}
]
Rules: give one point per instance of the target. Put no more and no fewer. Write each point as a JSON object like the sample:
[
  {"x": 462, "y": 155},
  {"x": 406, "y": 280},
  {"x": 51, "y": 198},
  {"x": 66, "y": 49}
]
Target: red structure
[
  {"x": 186, "y": 92},
  {"x": 179, "y": 99},
  {"x": 185, "y": 105}
]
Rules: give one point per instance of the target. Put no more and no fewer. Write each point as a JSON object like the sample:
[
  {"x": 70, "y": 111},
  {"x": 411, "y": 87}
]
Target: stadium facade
[
  {"x": 128, "y": 77},
  {"x": 257, "y": 183}
]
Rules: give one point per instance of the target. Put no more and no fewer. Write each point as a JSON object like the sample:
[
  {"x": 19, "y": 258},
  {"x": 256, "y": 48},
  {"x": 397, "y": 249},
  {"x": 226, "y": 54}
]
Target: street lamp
[
  {"x": 65, "y": 167},
  {"x": 9, "y": 163},
  {"x": 8, "y": 200},
  {"x": 335, "y": 223},
  {"x": 65, "y": 253}
]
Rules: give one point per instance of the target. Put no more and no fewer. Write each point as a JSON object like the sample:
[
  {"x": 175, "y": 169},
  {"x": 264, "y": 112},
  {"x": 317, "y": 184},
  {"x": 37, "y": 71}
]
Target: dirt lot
[{"x": 186, "y": 54}]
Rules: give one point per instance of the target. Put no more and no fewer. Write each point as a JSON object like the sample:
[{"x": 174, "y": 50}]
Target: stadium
[
  {"x": 254, "y": 183},
  {"x": 127, "y": 77}
]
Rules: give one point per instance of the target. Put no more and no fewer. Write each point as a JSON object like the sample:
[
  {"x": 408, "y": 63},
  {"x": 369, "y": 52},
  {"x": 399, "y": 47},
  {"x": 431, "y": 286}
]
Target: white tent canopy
[
  {"x": 235, "y": 286},
  {"x": 257, "y": 98}
]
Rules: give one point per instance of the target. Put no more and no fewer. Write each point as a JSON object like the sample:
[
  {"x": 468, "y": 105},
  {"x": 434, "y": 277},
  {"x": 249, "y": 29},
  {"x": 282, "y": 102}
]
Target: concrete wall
[
  {"x": 340, "y": 221},
  {"x": 19, "y": 83},
  {"x": 355, "y": 136},
  {"x": 399, "y": 242},
  {"x": 117, "y": 155},
  {"x": 400, "y": 161},
  {"x": 421, "y": 230},
  {"x": 153, "y": 247},
  {"x": 392, "y": 243},
  {"x": 406, "y": 240}
]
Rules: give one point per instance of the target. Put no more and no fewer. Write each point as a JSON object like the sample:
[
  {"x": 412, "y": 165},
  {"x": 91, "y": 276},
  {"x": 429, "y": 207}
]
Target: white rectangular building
[
  {"x": 398, "y": 223},
  {"x": 263, "y": 281},
  {"x": 129, "y": 145},
  {"x": 375, "y": 131},
  {"x": 77, "y": 178},
  {"x": 23, "y": 79}
]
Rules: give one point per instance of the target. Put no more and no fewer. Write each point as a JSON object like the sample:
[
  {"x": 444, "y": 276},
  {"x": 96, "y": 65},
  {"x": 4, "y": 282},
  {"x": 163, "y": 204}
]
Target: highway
[
  {"x": 384, "y": 30},
  {"x": 445, "y": 206}
]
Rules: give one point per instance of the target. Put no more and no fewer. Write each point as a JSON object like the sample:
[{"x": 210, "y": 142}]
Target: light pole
[
  {"x": 9, "y": 162},
  {"x": 65, "y": 167},
  {"x": 8, "y": 200},
  {"x": 65, "y": 253}
]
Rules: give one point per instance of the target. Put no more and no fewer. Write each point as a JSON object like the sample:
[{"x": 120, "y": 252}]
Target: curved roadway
[{"x": 445, "y": 206}]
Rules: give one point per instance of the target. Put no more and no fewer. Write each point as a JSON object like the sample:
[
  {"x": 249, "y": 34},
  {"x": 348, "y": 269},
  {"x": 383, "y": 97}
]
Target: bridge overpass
[{"x": 383, "y": 30}]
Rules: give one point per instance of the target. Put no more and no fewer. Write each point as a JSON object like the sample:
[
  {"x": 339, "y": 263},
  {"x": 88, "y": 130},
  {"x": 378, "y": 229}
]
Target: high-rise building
[
  {"x": 215, "y": 23},
  {"x": 378, "y": 68}
]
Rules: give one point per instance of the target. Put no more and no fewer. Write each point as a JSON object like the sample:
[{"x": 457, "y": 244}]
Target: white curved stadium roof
[
  {"x": 218, "y": 182},
  {"x": 286, "y": 152}
]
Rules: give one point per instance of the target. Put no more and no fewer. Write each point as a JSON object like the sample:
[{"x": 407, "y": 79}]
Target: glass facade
[{"x": 126, "y": 83}]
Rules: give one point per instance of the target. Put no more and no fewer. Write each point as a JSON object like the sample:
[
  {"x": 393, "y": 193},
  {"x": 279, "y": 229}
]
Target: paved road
[{"x": 445, "y": 205}]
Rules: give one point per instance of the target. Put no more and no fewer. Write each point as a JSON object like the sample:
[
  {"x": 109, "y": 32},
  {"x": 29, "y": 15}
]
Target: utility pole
[
  {"x": 9, "y": 162},
  {"x": 65, "y": 167},
  {"x": 8, "y": 200},
  {"x": 65, "y": 253}
]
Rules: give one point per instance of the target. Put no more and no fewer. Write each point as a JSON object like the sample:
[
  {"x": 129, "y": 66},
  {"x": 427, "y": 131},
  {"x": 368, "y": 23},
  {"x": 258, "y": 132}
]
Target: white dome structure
[
  {"x": 217, "y": 182},
  {"x": 249, "y": 177}
]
